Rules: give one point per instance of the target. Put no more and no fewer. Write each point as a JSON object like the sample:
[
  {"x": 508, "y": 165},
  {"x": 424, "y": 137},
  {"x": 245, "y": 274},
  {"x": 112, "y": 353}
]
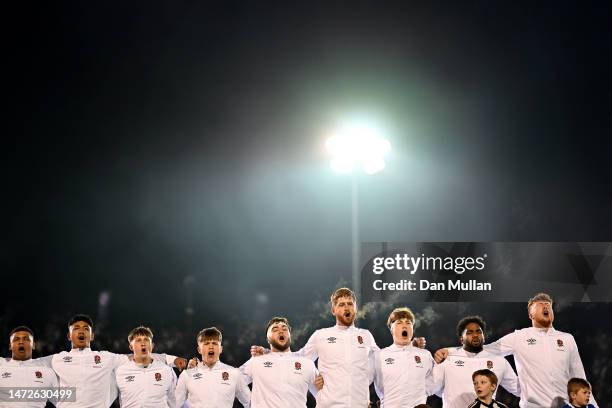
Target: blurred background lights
[{"x": 358, "y": 145}]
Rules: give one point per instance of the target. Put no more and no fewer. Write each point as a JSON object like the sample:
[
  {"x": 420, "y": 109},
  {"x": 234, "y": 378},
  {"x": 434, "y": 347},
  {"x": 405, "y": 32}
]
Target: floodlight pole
[{"x": 355, "y": 234}]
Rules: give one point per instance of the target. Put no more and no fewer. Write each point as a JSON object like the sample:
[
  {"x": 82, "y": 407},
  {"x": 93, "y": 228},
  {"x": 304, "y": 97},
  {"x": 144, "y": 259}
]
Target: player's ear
[
  {"x": 131, "y": 348},
  {"x": 92, "y": 334}
]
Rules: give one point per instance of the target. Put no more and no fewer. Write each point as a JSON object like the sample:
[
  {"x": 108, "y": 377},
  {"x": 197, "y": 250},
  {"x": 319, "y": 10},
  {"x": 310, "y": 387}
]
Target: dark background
[{"x": 164, "y": 163}]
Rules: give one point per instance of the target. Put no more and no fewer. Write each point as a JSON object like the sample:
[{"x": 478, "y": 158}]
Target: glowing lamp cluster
[{"x": 358, "y": 146}]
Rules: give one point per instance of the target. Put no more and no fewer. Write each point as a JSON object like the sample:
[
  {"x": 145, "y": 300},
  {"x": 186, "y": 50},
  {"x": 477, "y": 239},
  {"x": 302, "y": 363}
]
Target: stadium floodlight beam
[{"x": 357, "y": 145}]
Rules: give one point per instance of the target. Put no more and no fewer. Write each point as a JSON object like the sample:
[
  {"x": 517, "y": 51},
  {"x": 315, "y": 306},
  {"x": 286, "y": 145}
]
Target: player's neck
[
  {"x": 80, "y": 348},
  {"x": 541, "y": 326},
  {"x": 211, "y": 364},
  {"x": 487, "y": 400},
  {"x": 25, "y": 358},
  {"x": 275, "y": 350},
  {"x": 144, "y": 360}
]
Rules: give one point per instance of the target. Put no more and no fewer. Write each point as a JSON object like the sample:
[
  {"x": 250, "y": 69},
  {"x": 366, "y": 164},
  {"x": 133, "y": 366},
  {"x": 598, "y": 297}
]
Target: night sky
[{"x": 167, "y": 151}]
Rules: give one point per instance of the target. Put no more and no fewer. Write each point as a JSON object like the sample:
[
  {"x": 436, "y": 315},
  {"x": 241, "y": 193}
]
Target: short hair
[
  {"x": 485, "y": 373},
  {"x": 400, "y": 313},
  {"x": 470, "y": 319},
  {"x": 21, "y": 328},
  {"x": 576, "y": 384},
  {"x": 342, "y": 292},
  {"x": 278, "y": 319},
  {"x": 80, "y": 318},
  {"x": 210, "y": 333},
  {"x": 538, "y": 297},
  {"x": 140, "y": 331}
]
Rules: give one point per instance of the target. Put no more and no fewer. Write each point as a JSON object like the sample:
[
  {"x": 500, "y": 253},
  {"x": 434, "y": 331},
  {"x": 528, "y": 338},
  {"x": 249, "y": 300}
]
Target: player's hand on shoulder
[
  {"x": 419, "y": 342},
  {"x": 193, "y": 362},
  {"x": 441, "y": 355},
  {"x": 257, "y": 351},
  {"x": 180, "y": 363}
]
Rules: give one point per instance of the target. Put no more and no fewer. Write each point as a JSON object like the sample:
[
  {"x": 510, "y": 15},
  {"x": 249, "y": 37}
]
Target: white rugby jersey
[
  {"x": 146, "y": 387},
  {"x": 346, "y": 361},
  {"x": 216, "y": 387},
  {"x": 18, "y": 374},
  {"x": 91, "y": 373},
  {"x": 403, "y": 376},
  {"x": 453, "y": 377},
  {"x": 545, "y": 360},
  {"x": 280, "y": 380}
]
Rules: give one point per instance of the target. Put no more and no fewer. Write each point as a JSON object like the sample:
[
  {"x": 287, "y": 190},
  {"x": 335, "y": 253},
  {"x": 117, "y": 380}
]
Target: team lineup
[{"x": 549, "y": 371}]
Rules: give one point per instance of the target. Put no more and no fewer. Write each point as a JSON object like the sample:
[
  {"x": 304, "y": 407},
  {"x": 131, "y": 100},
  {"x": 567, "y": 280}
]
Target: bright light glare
[{"x": 358, "y": 146}]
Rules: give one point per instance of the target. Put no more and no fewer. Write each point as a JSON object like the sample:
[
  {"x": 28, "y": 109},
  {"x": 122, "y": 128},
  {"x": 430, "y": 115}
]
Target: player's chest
[
  {"x": 153, "y": 381},
  {"x": 290, "y": 370},
  {"x": 24, "y": 377},
  {"x": 88, "y": 365},
  {"x": 218, "y": 382},
  {"x": 403, "y": 364},
  {"x": 353, "y": 347},
  {"x": 554, "y": 350}
]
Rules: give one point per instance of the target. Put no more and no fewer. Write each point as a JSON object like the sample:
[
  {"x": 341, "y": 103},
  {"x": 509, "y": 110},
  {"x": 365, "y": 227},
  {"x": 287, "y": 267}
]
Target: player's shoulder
[
  {"x": 422, "y": 352},
  {"x": 560, "y": 333},
  {"x": 226, "y": 367},
  {"x": 363, "y": 331}
]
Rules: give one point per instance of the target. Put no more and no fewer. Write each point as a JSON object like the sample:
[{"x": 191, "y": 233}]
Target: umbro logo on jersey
[
  {"x": 157, "y": 376},
  {"x": 531, "y": 341},
  {"x": 459, "y": 363},
  {"x": 489, "y": 364},
  {"x": 97, "y": 359},
  {"x": 389, "y": 360},
  {"x": 417, "y": 359},
  {"x": 268, "y": 364},
  {"x": 130, "y": 378},
  {"x": 559, "y": 343},
  {"x": 360, "y": 339},
  {"x": 67, "y": 359},
  {"x": 38, "y": 374},
  {"x": 197, "y": 376},
  {"x": 225, "y": 376},
  {"x": 331, "y": 340},
  {"x": 6, "y": 374}
]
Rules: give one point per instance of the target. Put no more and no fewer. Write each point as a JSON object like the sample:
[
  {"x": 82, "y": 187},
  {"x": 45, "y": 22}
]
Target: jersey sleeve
[
  {"x": 45, "y": 361},
  {"x": 170, "y": 394},
  {"x": 311, "y": 381},
  {"x": 429, "y": 379},
  {"x": 247, "y": 371},
  {"x": 378, "y": 383},
  {"x": 504, "y": 346},
  {"x": 119, "y": 359},
  {"x": 438, "y": 377},
  {"x": 53, "y": 383},
  {"x": 180, "y": 394},
  {"x": 243, "y": 394},
  {"x": 310, "y": 348},
  {"x": 510, "y": 381}
]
